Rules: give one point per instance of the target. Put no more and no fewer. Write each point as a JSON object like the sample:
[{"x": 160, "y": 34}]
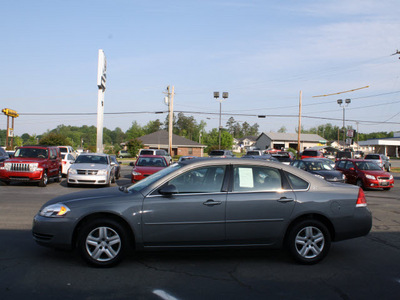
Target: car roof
[
  {"x": 151, "y": 156},
  {"x": 90, "y": 153}
]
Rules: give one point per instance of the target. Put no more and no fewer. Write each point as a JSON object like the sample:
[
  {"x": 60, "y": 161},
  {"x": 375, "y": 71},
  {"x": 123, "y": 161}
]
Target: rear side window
[
  {"x": 296, "y": 182},
  {"x": 256, "y": 178}
]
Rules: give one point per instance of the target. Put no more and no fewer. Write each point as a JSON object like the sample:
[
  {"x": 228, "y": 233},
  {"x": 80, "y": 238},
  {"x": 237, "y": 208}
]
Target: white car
[
  {"x": 67, "y": 159},
  {"x": 67, "y": 149},
  {"x": 91, "y": 168}
]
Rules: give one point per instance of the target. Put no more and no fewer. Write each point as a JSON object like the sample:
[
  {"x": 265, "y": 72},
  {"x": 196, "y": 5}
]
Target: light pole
[
  {"x": 344, "y": 105},
  {"x": 224, "y": 97}
]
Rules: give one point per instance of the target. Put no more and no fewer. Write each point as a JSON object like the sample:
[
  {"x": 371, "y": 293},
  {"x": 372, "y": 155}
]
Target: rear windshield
[
  {"x": 147, "y": 152},
  {"x": 217, "y": 153},
  {"x": 372, "y": 156},
  {"x": 310, "y": 153}
]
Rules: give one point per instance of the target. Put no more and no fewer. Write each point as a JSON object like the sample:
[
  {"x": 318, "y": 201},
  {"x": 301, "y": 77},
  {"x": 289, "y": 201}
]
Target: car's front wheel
[
  {"x": 44, "y": 180},
  {"x": 102, "y": 243},
  {"x": 309, "y": 241}
]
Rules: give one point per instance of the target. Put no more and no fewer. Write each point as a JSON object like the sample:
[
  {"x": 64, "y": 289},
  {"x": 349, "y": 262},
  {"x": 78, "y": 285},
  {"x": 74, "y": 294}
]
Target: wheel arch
[
  {"x": 104, "y": 215},
  {"x": 310, "y": 217}
]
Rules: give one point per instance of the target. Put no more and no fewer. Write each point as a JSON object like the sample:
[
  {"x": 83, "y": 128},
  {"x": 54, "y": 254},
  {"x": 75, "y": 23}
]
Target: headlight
[
  {"x": 370, "y": 177},
  {"x": 391, "y": 177},
  {"x": 343, "y": 177},
  {"x": 7, "y": 166},
  {"x": 72, "y": 171},
  {"x": 102, "y": 172},
  {"x": 319, "y": 176},
  {"x": 54, "y": 210},
  {"x": 136, "y": 173},
  {"x": 34, "y": 167}
]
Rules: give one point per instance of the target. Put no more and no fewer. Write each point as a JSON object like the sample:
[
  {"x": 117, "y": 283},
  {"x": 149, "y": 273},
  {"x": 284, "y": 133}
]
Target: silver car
[
  {"x": 91, "y": 168},
  {"x": 207, "y": 203}
]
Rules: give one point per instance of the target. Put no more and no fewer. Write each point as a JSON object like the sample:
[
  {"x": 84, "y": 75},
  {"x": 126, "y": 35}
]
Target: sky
[{"x": 263, "y": 53}]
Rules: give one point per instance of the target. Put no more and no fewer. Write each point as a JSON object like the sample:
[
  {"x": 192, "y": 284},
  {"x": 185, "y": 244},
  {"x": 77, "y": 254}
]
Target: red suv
[
  {"x": 32, "y": 164},
  {"x": 311, "y": 153}
]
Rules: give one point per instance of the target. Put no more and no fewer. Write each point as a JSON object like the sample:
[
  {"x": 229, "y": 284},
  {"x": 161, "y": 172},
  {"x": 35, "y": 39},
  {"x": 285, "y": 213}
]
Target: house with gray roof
[
  {"x": 277, "y": 140},
  {"x": 180, "y": 145}
]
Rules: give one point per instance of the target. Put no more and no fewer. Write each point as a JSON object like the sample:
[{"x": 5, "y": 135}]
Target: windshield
[
  {"x": 91, "y": 159},
  {"x": 366, "y": 165},
  {"x": 151, "y": 162},
  {"x": 31, "y": 153},
  {"x": 140, "y": 185},
  {"x": 318, "y": 166}
]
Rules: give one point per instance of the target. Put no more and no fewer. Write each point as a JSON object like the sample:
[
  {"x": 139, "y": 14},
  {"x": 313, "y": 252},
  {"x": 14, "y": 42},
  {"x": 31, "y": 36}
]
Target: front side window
[
  {"x": 256, "y": 178},
  {"x": 202, "y": 180}
]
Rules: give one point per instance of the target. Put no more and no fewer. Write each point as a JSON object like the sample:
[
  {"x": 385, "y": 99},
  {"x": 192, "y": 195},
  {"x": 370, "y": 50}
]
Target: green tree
[
  {"x": 134, "y": 131},
  {"x": 53, "y": 139},
  {"x": 134, "y": 145}
]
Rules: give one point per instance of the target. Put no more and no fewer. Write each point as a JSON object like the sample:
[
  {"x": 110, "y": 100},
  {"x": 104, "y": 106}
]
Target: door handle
[
  {"x": 285, "y": 199},
  {"x": 211, "y": 202}
]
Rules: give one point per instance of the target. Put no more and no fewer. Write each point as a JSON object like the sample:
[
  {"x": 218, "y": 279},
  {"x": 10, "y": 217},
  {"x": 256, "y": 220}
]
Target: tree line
[{"x": 185, "y": 126}]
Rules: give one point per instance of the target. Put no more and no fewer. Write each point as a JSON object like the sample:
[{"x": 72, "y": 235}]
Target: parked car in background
[
  {"x": 267, "y": 157},
  {"x": 182, "y": 158},
  {"x": 91, "y": 168},
  {"x": 320, "y": 168},
  {"x": 311, "y": 153},
  {"x": 123, "y": 154},
  {"x": 68, "y": 149},
  {"x": 67, "y": 159},
  {"x": 207, "y": 203},
  {"x": 147, "y": 165},
  {"x": 221, "y": 153},
  {"x": 254, "y": 152},
  {"x": 365, "y": 173},
  {"x": 344, "y": 155},
  {"x": 380, "y": 159},
  {"x": 3, "y": 155},
  {"x": 283, "y": 156},
  {"x": 32, "y": 164},
  {"x": 161, "y": 152},
  {"x": 10, "y": 153},
  {"x": 116, "y": 165}
]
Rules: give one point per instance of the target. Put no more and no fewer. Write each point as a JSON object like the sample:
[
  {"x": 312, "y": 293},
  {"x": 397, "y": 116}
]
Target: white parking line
[{"x": 164, "y": 295}]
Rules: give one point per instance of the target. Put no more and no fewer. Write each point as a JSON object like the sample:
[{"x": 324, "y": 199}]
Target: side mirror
[
  {"x": 168, "y": 190},
  {"x": 112, "y": 163}
]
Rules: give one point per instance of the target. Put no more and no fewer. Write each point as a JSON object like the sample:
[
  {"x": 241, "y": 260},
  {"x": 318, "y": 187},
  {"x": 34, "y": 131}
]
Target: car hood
[
  {"x": 376, "y": 173},
  {"x": 147, "y": 170},
  {"x": 89, "y": 166},
  {"x": 329, "y": 173},
  {"x": 25, "y": 160},
  {"x": 111, "y": 194}
]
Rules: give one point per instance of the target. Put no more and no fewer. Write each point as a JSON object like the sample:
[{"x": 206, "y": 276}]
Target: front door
[{"x": 194, "y": 215}]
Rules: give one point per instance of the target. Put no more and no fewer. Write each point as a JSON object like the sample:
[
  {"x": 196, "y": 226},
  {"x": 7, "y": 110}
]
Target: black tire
[
  {"x": 360, "y": 183},
  {"x": 309, "y": 241},
  {"x": 43, "y": 182},
  {"x": 59, "y": 176},
  {"x": 388, "y": 169},
  {"x": 113, "y": 179},
  {"x": 102, "y": 243}
]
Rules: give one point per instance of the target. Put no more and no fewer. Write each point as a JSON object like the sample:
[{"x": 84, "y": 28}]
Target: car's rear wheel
[
  {"x": 309, "y": 241},
  {"x": 102, "y": 243},
  {"x": 44, "y": 180}
]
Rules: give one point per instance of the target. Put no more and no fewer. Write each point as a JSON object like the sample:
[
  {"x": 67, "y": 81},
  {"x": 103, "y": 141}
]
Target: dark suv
[
  {"x": 3, "y": 155},
  {"x": 32, "y": 164}
]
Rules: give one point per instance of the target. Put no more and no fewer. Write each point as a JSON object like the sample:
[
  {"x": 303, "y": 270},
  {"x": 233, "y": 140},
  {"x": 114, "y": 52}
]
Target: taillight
[
  {"x": 361, "y": 201},
  {"x": 64, "y": 162}
]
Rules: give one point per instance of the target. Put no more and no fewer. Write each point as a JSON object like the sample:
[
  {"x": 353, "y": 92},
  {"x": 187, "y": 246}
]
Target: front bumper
[
  {"x": 21, "y": 176},
  {"x": 53, "y": 232},
  {"x": 87, "y": 179},
  {"x": 378, "y": 184}
]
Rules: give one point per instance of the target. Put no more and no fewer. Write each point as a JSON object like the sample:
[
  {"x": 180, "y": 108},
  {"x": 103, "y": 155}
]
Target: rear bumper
[{"x": 360, "y": 224}]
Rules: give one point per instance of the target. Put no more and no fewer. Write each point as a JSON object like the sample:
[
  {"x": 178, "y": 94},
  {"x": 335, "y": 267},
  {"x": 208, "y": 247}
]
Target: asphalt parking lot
[{"x": 362, "y": 268}]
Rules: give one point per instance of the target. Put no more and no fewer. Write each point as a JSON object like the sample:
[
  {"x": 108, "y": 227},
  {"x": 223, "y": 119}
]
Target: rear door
[{"x": 258, "y": 205}]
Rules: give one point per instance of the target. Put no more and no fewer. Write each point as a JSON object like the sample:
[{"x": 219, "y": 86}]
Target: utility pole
[
  {"x": 170, "y": 99},
  {"x": 299, "y": 129}
]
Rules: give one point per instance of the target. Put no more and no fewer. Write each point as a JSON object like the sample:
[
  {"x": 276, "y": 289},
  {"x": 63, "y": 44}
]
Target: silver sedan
[{"x": 207, "y": 203}]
